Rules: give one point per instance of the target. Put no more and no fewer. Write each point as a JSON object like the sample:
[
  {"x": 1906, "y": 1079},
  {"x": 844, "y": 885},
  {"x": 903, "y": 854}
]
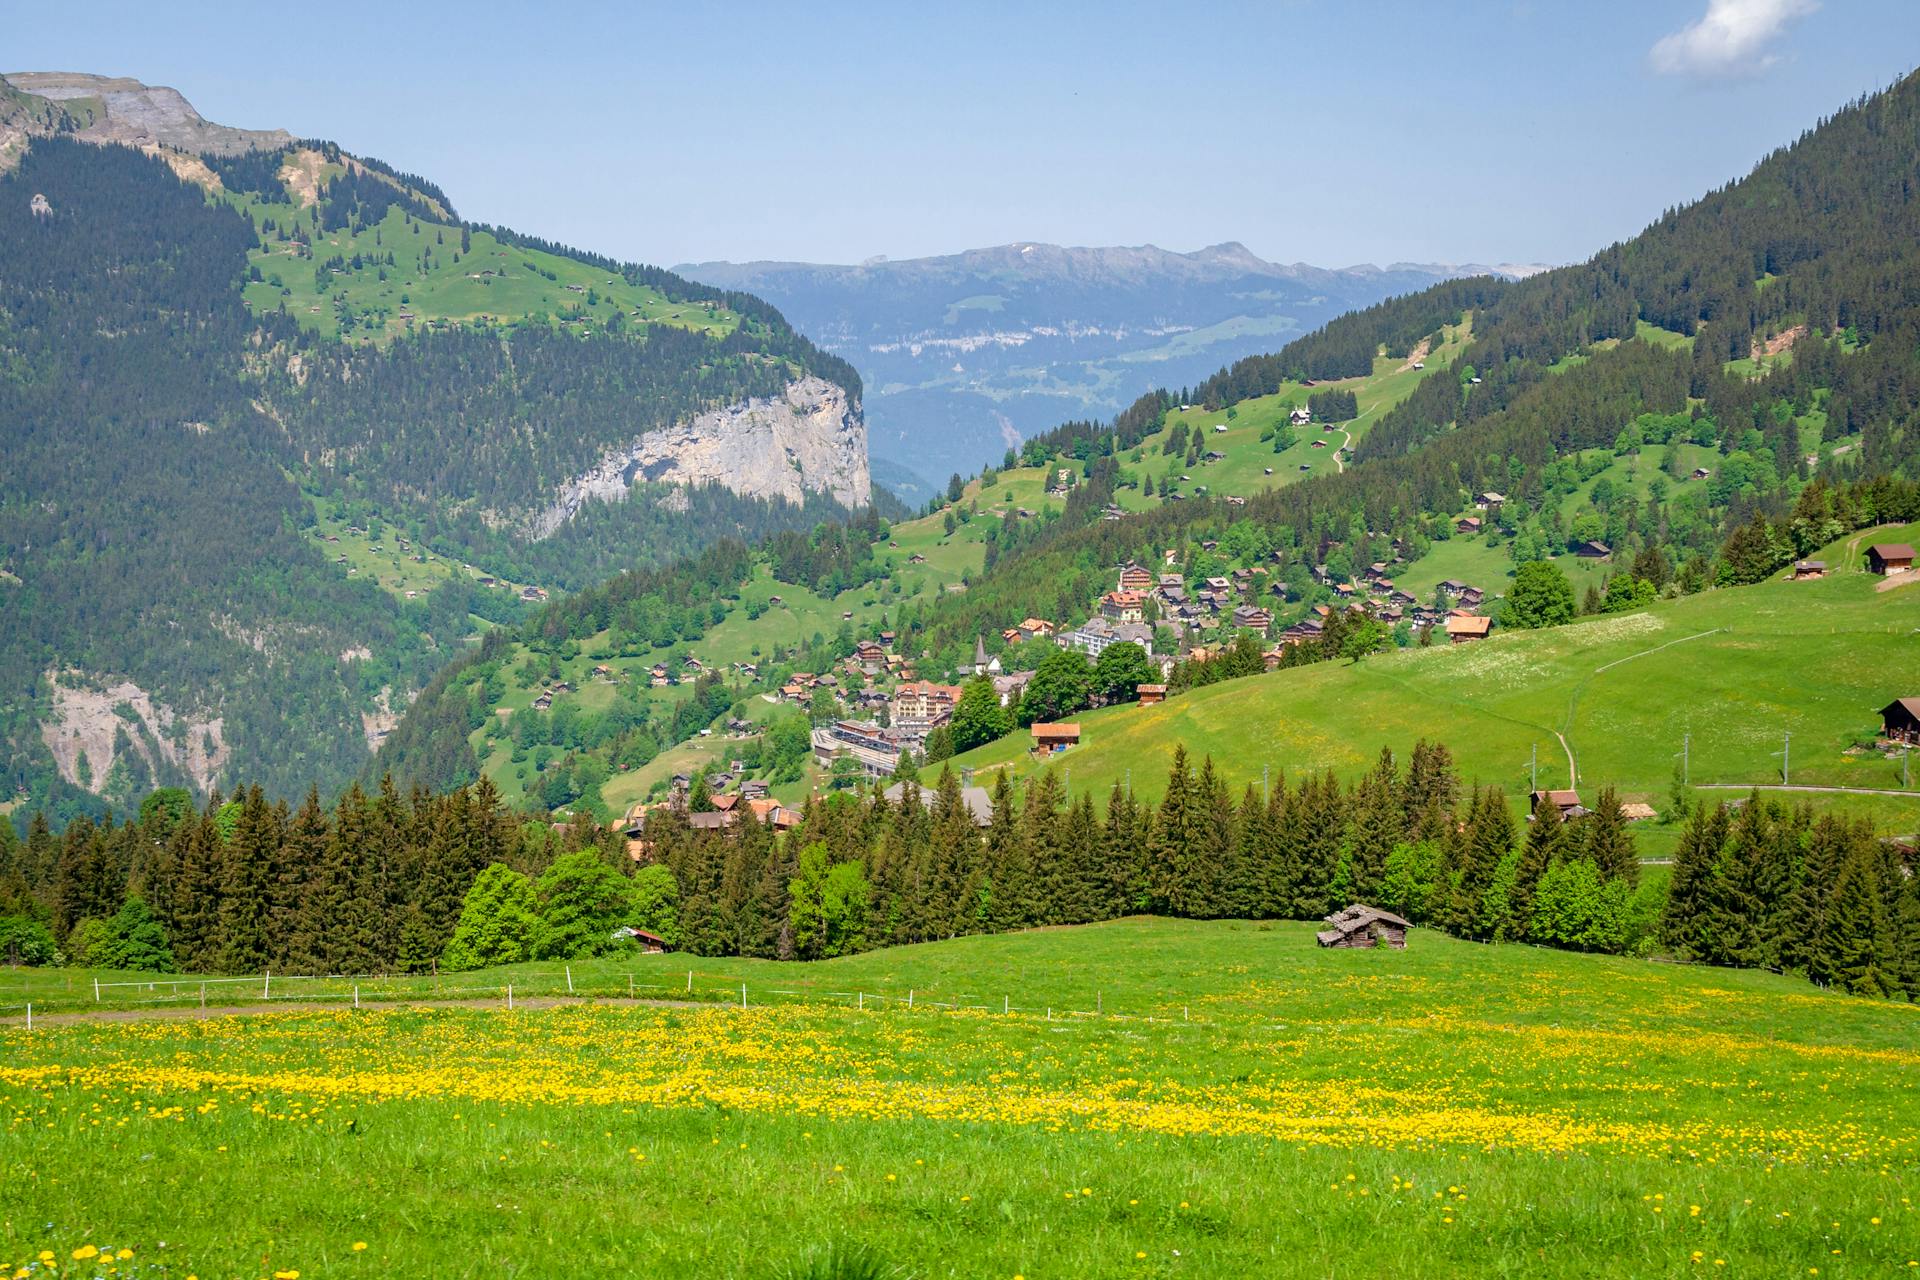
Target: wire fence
[{"x": 695, "y": 988}]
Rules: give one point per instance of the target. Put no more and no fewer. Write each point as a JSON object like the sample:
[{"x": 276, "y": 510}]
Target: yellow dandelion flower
[{"x": 359, "y": 1246}]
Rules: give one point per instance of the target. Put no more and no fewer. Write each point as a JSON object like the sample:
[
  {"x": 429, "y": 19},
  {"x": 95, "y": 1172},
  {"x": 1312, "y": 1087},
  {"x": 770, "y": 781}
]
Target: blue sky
[{"x": 1325, "y": 131}]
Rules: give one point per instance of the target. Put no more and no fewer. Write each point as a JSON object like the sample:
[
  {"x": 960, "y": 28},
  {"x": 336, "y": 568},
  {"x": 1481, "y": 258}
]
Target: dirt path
[
  {"x": 1346, "y": 442},
  {"x": 1573, "y": 701},
  {"x": 1573, "y": 770},
  {"x": 176, "y": 1012},
  {"x": 1781, "y": 786}
]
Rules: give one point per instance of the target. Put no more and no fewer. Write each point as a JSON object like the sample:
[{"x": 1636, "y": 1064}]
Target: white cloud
[{"x": 1732, "y": 39}]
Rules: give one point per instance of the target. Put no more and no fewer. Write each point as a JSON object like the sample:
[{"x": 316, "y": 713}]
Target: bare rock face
[
  {"x": 808, "y": 440},
  {"x": 141, "y": 115},
  {"x": 88, "y": 716}
]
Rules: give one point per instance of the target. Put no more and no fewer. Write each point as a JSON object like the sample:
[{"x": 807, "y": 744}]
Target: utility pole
[
  {"x": 1686, "y": 760},
  {"x": 1533, "y": 767},
  {"x": 1786, "y": 760},
  {"x": 1263, "y": 784}
]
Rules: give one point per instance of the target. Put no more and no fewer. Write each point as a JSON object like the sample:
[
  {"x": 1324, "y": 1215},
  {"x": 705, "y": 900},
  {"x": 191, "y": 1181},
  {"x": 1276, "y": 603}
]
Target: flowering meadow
[{"x": 1213, "y": 1099}]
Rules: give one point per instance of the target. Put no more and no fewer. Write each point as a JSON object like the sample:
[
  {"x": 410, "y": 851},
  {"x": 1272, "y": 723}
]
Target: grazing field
[
  {"x": 1200, "y": 1099},
  {"x": 430, "y": 280},
  {"x": 1724, "y": 674}
]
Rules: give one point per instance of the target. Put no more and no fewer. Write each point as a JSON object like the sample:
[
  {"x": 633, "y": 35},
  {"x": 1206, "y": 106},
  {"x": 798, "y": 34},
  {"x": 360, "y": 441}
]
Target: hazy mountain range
[{"x": 966, "y": 354}]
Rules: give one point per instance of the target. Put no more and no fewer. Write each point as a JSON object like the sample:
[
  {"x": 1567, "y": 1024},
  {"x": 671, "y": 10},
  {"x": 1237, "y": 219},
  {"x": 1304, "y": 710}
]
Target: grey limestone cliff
[{"x": 809, "y": 440}]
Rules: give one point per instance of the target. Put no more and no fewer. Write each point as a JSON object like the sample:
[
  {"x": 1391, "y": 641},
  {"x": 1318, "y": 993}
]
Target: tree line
[{"x": 386, "y": 882}]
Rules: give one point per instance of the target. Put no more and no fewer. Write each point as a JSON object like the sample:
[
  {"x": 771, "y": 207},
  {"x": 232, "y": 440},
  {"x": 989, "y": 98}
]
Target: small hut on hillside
[{"x": 1363, "y": 926}]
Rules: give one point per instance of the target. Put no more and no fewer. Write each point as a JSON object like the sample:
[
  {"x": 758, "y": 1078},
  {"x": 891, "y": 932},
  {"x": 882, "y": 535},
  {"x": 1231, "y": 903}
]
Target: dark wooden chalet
[
  {"x": 1567, "y": 802},
  {"x": 1900, "y": 720},
  {"x": 1889, "y": 557},
  {"x": 1363, "y": 926}
]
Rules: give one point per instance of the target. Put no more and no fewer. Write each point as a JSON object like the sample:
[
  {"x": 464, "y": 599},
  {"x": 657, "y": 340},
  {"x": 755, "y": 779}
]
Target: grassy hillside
[
  {"x": 326, "y": 277},
  {"x": 1139, "y": 1098},
  {"x": 1735, "y": 669}
]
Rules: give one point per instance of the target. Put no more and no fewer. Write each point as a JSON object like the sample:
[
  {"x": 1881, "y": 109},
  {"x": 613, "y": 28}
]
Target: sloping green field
[{"x": 1737, "y": 670}]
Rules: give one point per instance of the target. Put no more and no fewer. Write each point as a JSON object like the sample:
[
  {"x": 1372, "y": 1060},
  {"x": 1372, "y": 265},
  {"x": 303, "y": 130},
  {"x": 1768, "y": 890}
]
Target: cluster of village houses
[
  {"x": 892, "y": 712},
  {"x": 1232, "y": 602}
]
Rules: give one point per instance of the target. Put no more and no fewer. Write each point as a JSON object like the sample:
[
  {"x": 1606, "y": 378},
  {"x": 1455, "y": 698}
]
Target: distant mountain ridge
[
  {"x": 966, "y": 354},
  {"x": 1227, "y": 260}
]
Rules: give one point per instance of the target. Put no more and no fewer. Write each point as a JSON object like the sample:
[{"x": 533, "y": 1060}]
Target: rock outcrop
[
  {"x": 125, "y": 110},
  {"x": 809, "y": 440},
  {"x": 91, "y": 719}
]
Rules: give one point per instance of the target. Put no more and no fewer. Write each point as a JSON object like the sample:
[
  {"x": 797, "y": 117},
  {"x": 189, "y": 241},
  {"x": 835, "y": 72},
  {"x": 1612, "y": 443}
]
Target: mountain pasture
[
  {"x": 1141, "y": 1098},
  {"x": 1737, "y": 670}
]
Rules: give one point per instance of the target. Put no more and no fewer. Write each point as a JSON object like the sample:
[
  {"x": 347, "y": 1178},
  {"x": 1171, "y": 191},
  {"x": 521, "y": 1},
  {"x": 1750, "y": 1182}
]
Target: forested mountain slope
[{"x": 280, "y": 429}]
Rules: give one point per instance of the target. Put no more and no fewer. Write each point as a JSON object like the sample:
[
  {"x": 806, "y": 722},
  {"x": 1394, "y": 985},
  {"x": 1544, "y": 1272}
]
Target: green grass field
[
  {"x": 1141, "y": 1098},
  {"x": 1735, "y": 669},
  {"x": 492, "y": 281},
  {"x": 396, "y": 571}
]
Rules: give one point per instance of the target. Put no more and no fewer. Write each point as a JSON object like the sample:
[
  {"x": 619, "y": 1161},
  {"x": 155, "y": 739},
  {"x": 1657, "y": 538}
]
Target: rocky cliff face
[
  {"x": 119, "y": 109},
  {"x": 94, "y": 720},
  {"x": 809, "y": 440}
]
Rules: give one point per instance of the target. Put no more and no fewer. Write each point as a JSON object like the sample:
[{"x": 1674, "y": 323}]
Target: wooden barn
[
  {"x": 1889, "y": 558},
  {"x": 1567, "y": 802},
  {"x": 1052, "y": 739},
  {"x": 1900, "y": 720},
  {"x": 651, "y": 943},
  {"x": 1363, "y": 926}
]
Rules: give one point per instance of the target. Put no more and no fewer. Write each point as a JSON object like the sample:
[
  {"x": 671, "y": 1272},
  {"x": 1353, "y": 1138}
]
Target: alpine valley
[
  {"x": 1355, "y": 773},
  {"x": 967, "y": 355}
]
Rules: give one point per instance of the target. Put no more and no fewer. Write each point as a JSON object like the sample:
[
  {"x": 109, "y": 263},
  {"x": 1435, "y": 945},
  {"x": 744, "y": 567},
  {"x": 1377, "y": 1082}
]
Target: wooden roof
[
  {"x": 1056, "y": 732},
  {"x": 1356, "y": 917},
  {"x": 1891, "y": 551}
]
